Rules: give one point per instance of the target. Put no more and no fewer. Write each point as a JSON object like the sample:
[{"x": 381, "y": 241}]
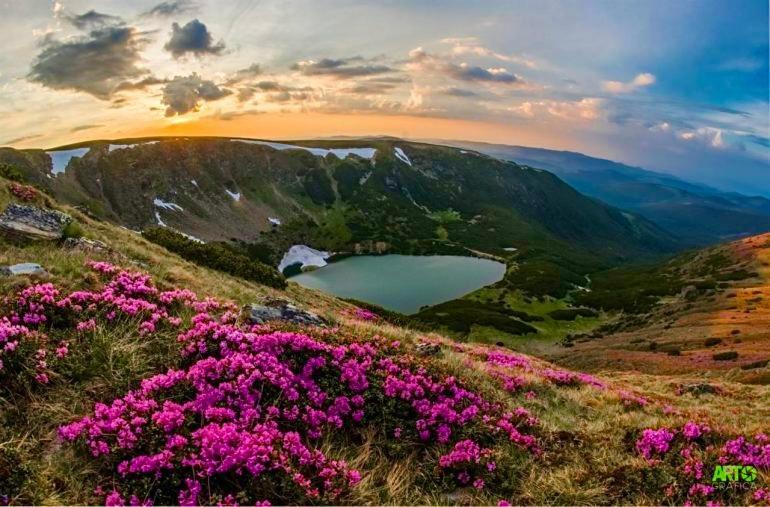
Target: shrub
[
  {"x": 712, "y": 342},
  {"x": 216, "y": 256},
  {"x": 572, "y": 313},
  {"x": 11, "y": 172},
  {"x": 72, "y": 230},
  {"x": 725, "y": 356}
]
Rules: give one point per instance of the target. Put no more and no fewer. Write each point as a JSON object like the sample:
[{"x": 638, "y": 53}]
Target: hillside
[
  {"x": 695, "y": 213},
  {"x": 711, "y": 318},
  {"x": 135, "y": 377},
  {"x": 343, "y": 196}
]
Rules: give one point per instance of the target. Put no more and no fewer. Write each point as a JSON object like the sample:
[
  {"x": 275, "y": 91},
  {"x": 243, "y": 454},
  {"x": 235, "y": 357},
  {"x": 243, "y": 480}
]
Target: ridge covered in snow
[{"x": 341, "y": 153}]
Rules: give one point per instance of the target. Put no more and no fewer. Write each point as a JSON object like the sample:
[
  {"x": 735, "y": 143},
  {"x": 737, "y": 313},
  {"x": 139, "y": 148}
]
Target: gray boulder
[
  {"x": 86, "y": 245},
  {"x": 427, "y": 349},
  {"x": 280, "y": 309},
  {"x": 29, "y": 222},
  {"x": 25, "y": 268}
]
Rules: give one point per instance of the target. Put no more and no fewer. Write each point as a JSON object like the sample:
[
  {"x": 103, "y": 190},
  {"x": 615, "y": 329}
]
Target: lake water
[{"x": 403, "y": 283}]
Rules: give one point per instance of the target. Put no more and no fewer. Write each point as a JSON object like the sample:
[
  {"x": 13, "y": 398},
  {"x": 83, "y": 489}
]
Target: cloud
[
  {"x": 193, "y": 38},
  {"x": 171, "y": 8},
  {"x": 92, "y": 19},
  {"x": 453, "y": 91},
  {"x": 640, "y": 81},
  {"x": 340, "y": 68},
  {"x": 140, "y": 84},
  {"x": 184, "y": 94},
  {"x": 95, "y": 64},
  {"x": 742, "y": 64},
  {"x": 241, "y": 75},
  {"x": 706, "y": 135},
  {"x": 232, "y": 115},
  {"x": 85, "y": 127},
  {"x": 585, "y": 109},
  {"x": 370, "y": 88},
  {"x": 464, "y": 46},
  {"x": 419, "y": 59},
  {"x": 22, "y": 139}
]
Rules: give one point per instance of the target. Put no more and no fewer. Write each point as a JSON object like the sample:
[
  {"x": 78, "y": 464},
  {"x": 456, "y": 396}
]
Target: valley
[{"x": 562, "y": 356}]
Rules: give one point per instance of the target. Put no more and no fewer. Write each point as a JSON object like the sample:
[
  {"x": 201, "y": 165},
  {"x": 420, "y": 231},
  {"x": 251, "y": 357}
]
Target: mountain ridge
[
  {"x": 226, "y": 188},
  {"x": 697, "y": 213}
]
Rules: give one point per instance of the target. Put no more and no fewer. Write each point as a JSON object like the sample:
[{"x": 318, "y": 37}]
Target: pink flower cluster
[
  {"x": 698, "y": 453},
  {"x": 250, "y": 408},
  {"x": 654, "y": 442},
  {"x": 570, "y": 378},
  {"x": 40, "y": 310},
  {"x": 362, "y": 314},
  {"x": 24, "y": 192}
]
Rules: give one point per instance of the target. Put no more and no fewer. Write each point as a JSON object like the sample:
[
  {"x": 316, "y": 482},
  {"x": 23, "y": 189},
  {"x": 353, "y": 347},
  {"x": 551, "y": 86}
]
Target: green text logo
[{"x": 734, "y": 473}]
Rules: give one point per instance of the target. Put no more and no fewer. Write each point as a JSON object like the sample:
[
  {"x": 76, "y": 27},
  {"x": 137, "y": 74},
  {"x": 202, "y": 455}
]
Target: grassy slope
[
  {"x": 588, "y": 458},
  {"x": 735, "y": 315}
]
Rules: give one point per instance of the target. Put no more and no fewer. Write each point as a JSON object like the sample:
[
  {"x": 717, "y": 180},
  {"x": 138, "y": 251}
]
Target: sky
[{"x": 675, "y": 86}]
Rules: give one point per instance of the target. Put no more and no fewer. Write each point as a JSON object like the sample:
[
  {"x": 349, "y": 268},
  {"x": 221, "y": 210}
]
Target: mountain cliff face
[
  {"x": 339, "y": 195},
  {"x": 695, "y": 213}
]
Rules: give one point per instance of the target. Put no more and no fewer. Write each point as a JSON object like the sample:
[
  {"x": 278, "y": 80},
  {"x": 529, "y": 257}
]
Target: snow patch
[
  {"x": 60, "y": 159},
  {"x": 114, "y": 147},
  {"x": 160, "y": 222},
  {"x": 160, "y": 203},
  {"x": 402, "y": 156},
  {"x": 303, "y": 255},
  {"x": 194, "y": 182},
  {"x": 236, "y": 196},
  {"x": 341, "y": 153},
  {"x": 191, "y": 238},
  {"x": 363, "y": 179},
  {"x": 510, "y": 249},
  {"x": 274, "y": 221}
]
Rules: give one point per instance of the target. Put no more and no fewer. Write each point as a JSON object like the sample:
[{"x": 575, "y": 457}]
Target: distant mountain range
[{"x": 695, "y": 213}]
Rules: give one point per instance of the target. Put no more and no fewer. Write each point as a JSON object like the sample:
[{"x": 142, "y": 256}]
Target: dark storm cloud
[
  {"x": 96, "y": 63},
  {"x": 341, "y": 68},
  {"x": 171, "y": 8},
  {"x": 140, "y": 84},
  {"x": 193, "y": 38},
  {"x": 184, "y": 94},
  {"x": 92, "y": 19}
]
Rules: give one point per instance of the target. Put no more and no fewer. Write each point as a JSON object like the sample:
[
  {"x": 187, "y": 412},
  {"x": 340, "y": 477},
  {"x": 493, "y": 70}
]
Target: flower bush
[
  {"x": 690, "y": 455},
  {"x": 244, "y": 416},
  {"x": 23, "y": 192}
]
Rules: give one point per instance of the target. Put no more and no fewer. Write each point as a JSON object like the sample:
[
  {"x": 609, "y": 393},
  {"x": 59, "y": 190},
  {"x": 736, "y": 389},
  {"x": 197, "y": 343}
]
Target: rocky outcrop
[
  {"x": 427, "y": 348},
  {"x": 86, "y": 245},
  {"x": 280, "y": 309},
  {"x": 25, "y": 268},
  {"x": 28, "y": 222}
]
